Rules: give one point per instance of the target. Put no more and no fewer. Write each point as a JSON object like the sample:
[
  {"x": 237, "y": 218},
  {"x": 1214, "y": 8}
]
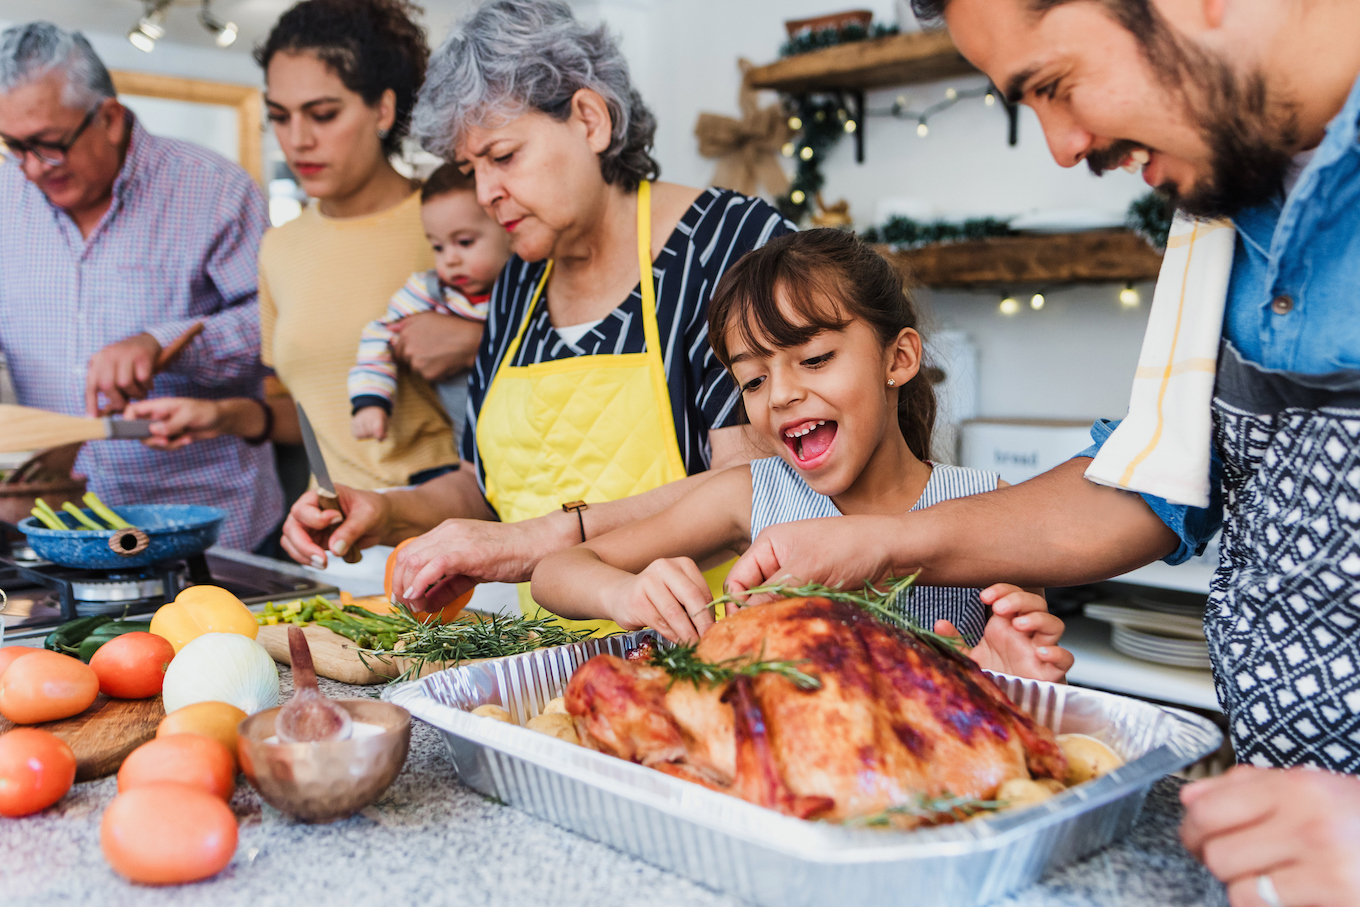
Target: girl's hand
[
  {"x": 364, "y": 523},
  {"x": 670, "y": 596},
  {"x": 369, "y": 422},
  {"x": 177, "y": 421},
  {"x": 1020, "y": 638}
]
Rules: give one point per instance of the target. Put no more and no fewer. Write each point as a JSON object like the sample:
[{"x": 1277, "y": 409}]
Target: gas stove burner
[{"x": 118, "y": 589}]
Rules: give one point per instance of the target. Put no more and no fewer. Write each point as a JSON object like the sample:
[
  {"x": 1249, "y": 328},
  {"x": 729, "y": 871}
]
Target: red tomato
[
  {"x": 185, "y": 758},
  {"x": 132, "y": 666},
  {"x": 36, "y": 770},
  {"x": 167, "y": 834},
  {"x": 45, "y": 686},
  {"x": 9, "y": 653}
]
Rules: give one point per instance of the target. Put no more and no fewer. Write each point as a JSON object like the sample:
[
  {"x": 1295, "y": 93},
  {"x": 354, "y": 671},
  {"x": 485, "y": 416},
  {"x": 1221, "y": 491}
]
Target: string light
[
  {"x": 1036, "y": 302},
  {"x": 1009, "y": 305},
  {"x": 1128, "y": 297},
  {"x": 922, "y": 129},
  {"x": 788, "y": 149},
  {"x": 806, "y": 153},
  {"x": 795, "y": 123},
  {"x": 951, "y": 93},
  {"x": 990, "y": 99},
  {"x": 797, "y": 196},
  {"x": 850, "y": 126}
]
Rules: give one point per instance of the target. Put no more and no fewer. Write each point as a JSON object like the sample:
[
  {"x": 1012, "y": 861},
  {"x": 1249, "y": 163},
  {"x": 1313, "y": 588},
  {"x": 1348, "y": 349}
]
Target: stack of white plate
[{"x": 1171, "y": 635}]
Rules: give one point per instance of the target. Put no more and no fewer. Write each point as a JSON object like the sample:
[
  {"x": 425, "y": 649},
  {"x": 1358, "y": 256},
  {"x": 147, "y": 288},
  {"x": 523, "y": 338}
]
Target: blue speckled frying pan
[{"x": 163, "y": 532}]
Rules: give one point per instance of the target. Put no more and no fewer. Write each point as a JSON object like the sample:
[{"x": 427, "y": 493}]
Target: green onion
[
  {"x": 104, "y": 513},
  {"x": 81, "y": 518}
]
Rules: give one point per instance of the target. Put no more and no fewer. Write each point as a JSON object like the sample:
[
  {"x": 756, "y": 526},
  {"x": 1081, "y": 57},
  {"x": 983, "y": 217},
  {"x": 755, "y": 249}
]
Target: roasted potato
[
  {"x": 555, "y": 724},
  {"x": 1087, "y": 758},
  {"x": 493, "y": 711},
  {"x": 1021, "y": 792},
  {"x": 558, "y": 706}
]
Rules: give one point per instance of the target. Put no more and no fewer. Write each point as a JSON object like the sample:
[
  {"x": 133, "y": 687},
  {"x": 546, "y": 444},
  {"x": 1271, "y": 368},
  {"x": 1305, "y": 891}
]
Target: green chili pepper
[
  {"x": 108, "y": 633},
  {"x": 70, "y": 634}
]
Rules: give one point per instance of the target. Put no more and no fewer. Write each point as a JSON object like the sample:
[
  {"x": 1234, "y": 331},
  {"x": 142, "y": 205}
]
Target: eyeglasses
[{"x": 53, "y": 154}]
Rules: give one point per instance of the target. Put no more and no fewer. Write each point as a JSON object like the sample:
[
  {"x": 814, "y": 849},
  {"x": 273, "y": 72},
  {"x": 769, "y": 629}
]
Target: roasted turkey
[{"x": 896, "y": 720}]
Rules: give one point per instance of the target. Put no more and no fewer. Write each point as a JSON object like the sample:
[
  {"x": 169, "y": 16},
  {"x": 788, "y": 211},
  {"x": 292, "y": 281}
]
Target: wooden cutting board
[
  {"x": 337, "y": 657},
  {"x": 102, "y": 736}
]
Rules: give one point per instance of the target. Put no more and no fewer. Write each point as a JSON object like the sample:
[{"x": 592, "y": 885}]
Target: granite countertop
[{"x": 429, "y": 839}]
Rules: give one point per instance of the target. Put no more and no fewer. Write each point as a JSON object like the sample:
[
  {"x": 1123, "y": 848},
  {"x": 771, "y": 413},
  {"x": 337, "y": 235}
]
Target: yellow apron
[{"x": 592, "y": 428}]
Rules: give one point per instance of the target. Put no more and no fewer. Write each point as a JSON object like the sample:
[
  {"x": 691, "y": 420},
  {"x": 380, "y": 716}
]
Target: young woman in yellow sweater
[{"x": 341, "y": 79}]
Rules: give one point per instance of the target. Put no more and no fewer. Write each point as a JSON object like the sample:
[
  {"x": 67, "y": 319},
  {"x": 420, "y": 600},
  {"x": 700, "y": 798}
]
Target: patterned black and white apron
[{"x": 1283, "y": 619}]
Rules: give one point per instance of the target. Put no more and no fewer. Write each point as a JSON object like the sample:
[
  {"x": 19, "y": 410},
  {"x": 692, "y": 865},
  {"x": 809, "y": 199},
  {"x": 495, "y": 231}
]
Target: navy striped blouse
[
  {"x": 779, "y": 495},
  {"x": 717, "y": 229}
]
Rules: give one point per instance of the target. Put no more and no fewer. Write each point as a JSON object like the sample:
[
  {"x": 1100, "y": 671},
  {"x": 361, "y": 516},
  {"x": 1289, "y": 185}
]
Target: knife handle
[{"x": 331, "y": 502}]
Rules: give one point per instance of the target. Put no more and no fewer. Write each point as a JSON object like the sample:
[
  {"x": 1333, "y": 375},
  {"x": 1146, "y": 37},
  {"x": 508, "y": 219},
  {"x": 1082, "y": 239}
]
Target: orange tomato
[
  {"x": 445, "y": 616},
  {"x": 9, "y": 653},
  {"x": 167, "y": 833},
  {"x": 185, "y": 758},
  {"x": 45, "y": 686},
  {"x": 36, "y": 770},
  {"x": 132, "y": 666},
  {"x": 217, "y": 720}
]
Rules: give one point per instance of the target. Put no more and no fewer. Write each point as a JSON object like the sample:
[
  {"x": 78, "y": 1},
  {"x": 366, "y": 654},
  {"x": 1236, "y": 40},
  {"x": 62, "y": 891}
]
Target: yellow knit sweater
[{"x": 321, "y": 280}]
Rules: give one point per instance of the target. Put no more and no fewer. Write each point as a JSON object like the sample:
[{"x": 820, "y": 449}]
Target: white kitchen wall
[{"x": 1073, "y": 359}]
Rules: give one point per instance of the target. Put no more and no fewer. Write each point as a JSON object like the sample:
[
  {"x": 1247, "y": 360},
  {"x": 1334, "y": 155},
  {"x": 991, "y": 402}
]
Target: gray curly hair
[
  {"x": 29, "y": 52},
  {"x": 510, "y": 56}
]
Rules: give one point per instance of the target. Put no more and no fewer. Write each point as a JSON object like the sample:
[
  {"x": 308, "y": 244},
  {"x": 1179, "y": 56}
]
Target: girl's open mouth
[{"x": 810, "y": 441}]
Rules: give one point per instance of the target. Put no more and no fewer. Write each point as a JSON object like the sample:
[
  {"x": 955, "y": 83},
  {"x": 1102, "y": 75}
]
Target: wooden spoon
[{"x": 309, "y": 717}]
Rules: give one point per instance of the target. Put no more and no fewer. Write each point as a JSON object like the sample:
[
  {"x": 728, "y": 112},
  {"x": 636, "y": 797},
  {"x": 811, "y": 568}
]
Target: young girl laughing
[{"x": 822, "y": 340}]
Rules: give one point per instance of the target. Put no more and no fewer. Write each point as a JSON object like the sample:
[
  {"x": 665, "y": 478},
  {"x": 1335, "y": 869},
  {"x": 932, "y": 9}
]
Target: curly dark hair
[{"x": 372, "y": 45}]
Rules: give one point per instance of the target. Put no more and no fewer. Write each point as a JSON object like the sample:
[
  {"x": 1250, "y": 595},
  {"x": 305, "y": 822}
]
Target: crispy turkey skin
[{"x": 894, "y": 719}]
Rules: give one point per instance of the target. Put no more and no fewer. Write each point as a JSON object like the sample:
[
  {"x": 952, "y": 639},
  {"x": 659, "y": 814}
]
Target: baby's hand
[
  {"x": 1020, "y": 638},
  {"x": 369, "y": 422},
  {"x": 670, "y": 596}
]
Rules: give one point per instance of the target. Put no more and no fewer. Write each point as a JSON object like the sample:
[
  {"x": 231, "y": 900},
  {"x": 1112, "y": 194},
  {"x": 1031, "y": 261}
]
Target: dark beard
[
  {"x": 1252, "y": 136},
  {"x": 1252, "y": 143}
]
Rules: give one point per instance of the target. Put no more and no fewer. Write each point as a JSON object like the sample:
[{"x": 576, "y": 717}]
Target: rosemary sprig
[
  {"x": 682, "y": 663},
  {"x": 489, "y": 636},
  {"x": 930, "y": 810},
  {"x": 877, "y": 602}
]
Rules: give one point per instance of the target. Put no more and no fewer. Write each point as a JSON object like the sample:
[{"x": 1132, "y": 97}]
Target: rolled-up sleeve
[{"x": 1194, "y": 526}]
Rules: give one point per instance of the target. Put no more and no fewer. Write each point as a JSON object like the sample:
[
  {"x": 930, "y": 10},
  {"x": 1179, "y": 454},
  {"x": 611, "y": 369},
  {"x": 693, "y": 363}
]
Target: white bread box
[{"x": 1020, "y": 449}]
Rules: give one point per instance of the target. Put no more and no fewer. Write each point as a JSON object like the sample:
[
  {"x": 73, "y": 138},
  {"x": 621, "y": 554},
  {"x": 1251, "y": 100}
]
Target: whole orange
[
  {"x": 166, "y": 833},
  {"x": 36, "y": 770},
  {"x": 186, "y": 758},
  {"x": 45, "y": 686},
  {"x": 217, "y": 720}
]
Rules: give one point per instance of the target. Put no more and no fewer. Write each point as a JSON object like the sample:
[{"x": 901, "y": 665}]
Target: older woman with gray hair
[{"x": 595, "y": 399}]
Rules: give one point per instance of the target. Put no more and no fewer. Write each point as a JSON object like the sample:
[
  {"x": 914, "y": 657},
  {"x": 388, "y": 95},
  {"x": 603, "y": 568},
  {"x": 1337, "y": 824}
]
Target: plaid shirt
[{"x": 177, "y": 245}]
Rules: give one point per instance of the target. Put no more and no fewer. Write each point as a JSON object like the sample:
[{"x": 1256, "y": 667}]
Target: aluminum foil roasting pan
[{"x": 768, "y": 858}]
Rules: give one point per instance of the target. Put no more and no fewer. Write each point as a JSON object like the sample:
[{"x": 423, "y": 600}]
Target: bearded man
[{"x": 1239, "y": 109}]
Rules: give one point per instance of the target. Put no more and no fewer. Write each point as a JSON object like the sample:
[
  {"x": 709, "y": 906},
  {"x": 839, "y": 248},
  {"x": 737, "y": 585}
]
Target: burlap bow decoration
[{"x": 747, "y": 149}]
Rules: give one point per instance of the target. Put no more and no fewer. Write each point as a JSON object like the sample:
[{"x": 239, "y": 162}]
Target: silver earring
[
  {"x": 891, "y": 382},
  {"x": 382, "y": 134}
]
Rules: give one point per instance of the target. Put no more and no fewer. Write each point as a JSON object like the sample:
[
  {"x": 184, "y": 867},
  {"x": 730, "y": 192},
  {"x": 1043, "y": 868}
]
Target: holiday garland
[
  {"x": 905, "y": 232},
  {"x": 830, "y": 37},
  {"x": 1150, "y": 217}
]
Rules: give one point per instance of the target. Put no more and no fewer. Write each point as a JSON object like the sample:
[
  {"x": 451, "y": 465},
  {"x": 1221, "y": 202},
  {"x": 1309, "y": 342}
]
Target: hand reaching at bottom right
[{"x": 1020, "y": 637}]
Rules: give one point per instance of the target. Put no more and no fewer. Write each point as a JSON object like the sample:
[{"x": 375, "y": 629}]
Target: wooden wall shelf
[
  {"x": 862, "y": 65},
  {"x": 1058, "y": 258}
]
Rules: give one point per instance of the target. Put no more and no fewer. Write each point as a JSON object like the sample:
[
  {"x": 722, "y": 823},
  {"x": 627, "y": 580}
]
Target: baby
[{"x": 470, "y": 249}]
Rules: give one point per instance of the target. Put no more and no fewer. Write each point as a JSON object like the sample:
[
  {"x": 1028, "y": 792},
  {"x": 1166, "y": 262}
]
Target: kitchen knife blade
[
  {"x": 326, "y": 498},
  {"x": 314, "y": 458}
]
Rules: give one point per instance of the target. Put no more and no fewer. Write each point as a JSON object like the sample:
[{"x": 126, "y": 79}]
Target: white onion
[{"x": 222, "y": 667}]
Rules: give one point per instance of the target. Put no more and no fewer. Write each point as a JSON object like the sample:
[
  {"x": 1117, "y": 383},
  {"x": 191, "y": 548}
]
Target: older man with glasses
[{"x": 113, "y": 242}]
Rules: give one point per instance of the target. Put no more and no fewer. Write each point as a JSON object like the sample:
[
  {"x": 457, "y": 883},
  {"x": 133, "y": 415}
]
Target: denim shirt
[{"x": 1305, "y": 246}]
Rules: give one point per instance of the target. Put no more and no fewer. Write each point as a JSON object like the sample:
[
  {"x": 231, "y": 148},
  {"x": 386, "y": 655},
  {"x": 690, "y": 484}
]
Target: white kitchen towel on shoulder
[{"x": 1162, "y": 446}]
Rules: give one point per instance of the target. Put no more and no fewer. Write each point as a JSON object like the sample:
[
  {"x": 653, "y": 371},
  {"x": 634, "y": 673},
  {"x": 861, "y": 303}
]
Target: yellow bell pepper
[{"x": 202, "y": 609}]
